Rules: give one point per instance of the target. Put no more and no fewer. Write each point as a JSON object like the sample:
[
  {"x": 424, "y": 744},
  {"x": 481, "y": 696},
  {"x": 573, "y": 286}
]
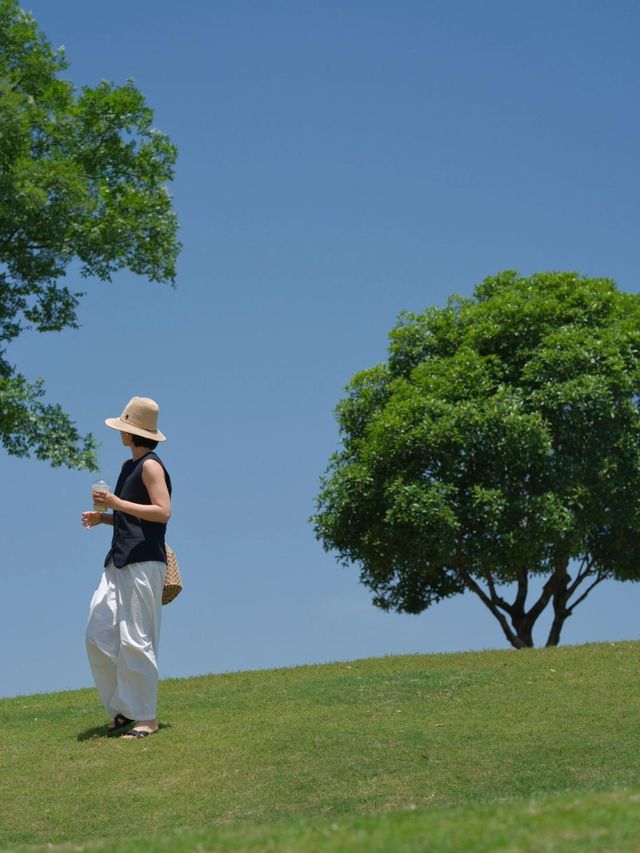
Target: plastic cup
[{"x": 100, "y": 486}]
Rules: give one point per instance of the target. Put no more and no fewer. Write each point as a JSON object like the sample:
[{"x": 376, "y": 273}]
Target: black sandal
[
  {"x": 136, "y": 733},
  {"x": 119, "y": 722}
]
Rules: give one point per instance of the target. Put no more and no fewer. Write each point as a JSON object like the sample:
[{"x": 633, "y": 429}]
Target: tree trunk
[
  {"x": 499, "y": 607},
  {"x": 524, "y": 631},
  {"x": 556, "y": 627},
  {"x": 561, "y": 593},
  {"x": 564, "y": 589},
  {"x": 516, "y": 621}
]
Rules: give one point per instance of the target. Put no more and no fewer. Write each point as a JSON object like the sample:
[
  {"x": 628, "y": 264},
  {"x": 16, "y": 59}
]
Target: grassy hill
[{"x": 529, "y": 750}]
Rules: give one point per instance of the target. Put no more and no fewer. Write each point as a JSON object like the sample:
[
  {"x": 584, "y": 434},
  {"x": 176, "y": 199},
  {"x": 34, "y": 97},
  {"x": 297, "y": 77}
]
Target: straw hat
[{"x": 140, "y": 417}]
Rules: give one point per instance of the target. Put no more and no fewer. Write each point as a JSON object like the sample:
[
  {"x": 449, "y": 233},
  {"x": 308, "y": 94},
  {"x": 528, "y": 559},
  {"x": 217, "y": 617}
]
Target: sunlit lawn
[{"x": 472, "y": 751}]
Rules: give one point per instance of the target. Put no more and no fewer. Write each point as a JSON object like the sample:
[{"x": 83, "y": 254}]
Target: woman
[{"x": 124, "y": 618}]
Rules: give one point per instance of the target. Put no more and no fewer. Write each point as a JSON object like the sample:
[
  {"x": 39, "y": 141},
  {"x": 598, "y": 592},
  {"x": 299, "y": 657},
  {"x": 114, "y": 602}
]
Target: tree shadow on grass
[{"x": 103, "y": 732}]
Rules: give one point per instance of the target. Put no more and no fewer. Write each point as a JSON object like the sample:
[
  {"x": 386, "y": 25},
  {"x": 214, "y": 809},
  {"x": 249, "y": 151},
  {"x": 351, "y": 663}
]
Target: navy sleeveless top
[{"x": 135, "y": 540}]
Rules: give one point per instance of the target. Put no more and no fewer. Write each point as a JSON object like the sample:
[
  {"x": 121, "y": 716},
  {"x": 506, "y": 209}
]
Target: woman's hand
[
  {"x": 105, "y": 500},
  {"x": 91, "y": 519}
]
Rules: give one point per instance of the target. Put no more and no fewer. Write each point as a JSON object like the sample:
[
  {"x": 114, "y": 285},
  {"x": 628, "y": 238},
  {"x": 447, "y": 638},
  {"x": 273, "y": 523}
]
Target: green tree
[
  {"x": 82, "y": 179},
  {"x": 500, "y": 441}
]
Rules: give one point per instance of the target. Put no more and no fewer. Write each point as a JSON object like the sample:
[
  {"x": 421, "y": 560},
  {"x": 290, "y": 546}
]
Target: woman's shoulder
[
  {"x": 153, "y": 471},
  {"x": 153, "y": 462},
  {"x": 152, "y": 457}
]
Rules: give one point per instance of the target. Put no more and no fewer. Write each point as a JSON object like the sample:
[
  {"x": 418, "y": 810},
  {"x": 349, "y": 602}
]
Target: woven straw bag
[{"x": 172, "y": 579}]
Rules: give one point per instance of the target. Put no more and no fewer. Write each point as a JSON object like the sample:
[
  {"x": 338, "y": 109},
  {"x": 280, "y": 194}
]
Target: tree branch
[
  {"x": 584, "y": 571},
  {"x": 486, "y": 600},
  {"x": 600, "y": 577},
  {"x": 541, "y": 603},
  {"x": 523, "y": 589},
  {"x": 497, "y": 599}
]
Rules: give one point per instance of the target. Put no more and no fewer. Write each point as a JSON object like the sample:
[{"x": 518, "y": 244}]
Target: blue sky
[{"x": 339, "y": 162}]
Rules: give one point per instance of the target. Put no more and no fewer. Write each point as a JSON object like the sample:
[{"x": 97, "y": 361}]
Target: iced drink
[{"x": 100, "y": 486}]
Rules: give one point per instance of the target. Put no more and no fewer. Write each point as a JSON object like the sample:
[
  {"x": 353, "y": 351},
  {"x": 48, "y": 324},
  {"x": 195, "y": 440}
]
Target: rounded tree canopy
[{"x": 501, "y": 439}]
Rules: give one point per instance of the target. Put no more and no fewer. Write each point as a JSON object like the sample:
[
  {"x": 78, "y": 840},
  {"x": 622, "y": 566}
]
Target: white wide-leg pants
[{"x": 123, "y": 632}]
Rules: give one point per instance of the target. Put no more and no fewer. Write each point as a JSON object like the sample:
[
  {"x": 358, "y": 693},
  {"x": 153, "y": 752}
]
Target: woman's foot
[
  {"x": 118, "y": 722},
  {"x": 143, "y": 728}
]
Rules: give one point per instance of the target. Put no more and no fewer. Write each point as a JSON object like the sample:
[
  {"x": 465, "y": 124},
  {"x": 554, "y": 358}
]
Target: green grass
[{"x": 528, "y": 750}]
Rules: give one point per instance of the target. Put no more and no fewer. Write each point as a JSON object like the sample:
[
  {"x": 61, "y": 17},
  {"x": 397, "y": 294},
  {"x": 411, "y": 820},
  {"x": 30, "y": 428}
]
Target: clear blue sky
[{"x": 339, "y": 162}]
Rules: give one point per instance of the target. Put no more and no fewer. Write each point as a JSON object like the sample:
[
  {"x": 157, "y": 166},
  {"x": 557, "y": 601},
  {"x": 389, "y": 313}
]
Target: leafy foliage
[
  {"x": 501, "y": 440},
  {"x": 82, "y": 178}
]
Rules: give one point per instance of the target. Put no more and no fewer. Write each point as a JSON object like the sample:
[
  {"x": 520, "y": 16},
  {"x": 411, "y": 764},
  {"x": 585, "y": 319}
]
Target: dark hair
[{"x": 141, "y": 441}]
